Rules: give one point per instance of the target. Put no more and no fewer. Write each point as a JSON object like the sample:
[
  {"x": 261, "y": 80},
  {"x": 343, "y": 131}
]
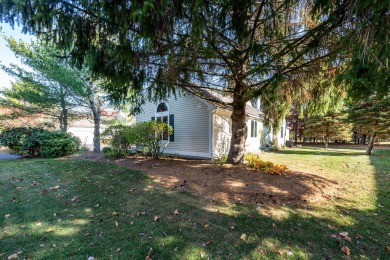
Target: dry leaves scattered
[
  {"x": 346, "y": 250},
  {"x": 149, "y": 256},
  {"x": 244, "y": 237}
]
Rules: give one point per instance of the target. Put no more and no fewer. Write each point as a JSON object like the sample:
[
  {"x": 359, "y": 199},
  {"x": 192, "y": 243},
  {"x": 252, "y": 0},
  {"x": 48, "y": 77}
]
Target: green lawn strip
[{"x": 102, "y": 210}]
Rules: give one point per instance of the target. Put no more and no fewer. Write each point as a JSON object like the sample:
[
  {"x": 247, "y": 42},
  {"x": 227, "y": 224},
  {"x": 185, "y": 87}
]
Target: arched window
[
  {"x": 162, "y": 107},
  {"x": 162, "y": 115}
]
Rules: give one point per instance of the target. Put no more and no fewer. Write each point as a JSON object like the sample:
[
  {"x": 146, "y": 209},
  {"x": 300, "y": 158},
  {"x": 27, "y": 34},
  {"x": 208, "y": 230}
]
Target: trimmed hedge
[{"x": 39, "y": 142}]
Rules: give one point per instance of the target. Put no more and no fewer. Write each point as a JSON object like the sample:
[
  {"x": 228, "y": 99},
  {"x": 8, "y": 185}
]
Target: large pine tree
[
  {"x": 243, "y": 49},
  {"x": 372, "y": 117},
  {"x": 329, "y": 127}
]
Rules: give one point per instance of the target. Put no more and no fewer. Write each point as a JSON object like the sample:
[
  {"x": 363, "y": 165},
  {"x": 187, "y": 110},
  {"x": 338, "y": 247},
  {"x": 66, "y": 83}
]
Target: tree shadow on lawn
[{"x": 107, "y": 211}]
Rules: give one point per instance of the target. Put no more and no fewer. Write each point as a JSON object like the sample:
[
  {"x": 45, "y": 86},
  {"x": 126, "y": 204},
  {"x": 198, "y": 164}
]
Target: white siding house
[{"x": 201, "y": 128}]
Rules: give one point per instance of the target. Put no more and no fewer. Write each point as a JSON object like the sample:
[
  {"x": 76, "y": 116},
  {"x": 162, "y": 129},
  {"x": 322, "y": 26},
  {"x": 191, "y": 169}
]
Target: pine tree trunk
[
  {"x": 326, "y": 142},
  {"x": 96, "y": 131},
  {"x": 371, "y": 144},
  {"x": 239, "y": 132},
  {"x": 65, "y": 120},
  {"x": 94, "y": 103},
  {"x": 61, "y": 123}
]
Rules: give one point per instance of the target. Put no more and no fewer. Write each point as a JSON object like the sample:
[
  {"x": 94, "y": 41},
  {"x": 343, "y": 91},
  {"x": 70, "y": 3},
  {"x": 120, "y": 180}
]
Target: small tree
[
  {"x": 50, "y": 87},
  {"x": 331, "y": 126},
  {"x": 371, "y": 117},
  {"x": 150, "y": 135}
]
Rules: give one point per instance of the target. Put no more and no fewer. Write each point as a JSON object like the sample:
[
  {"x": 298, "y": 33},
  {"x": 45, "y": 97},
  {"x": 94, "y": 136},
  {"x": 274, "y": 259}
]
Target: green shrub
[
  {"x": 56, "y": 143},
  {"x": 110, "y": 152},
  {"x": 149, "y": 135},
  {"x": 13, "y": 138},
  {"x": 117, "y": 137},
  {"x": 38, "y": 141}
]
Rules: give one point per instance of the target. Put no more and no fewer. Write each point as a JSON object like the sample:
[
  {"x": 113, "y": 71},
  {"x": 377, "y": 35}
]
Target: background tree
[
  {"x": 11, "y": 118},
  {"x": 330, "y": 126},
  {"x": 366, "y": 50},
  {"x": 51, "y": 87},
  {"x": 241, "y": 49},
  {"x": 371, "y": 117}
]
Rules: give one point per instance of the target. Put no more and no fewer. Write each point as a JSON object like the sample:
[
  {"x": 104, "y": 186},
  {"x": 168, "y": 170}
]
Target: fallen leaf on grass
[
  {"x": 114, "y": 213},
  {"x": 74, "y": 198},
  {"x": 50, "y": 230},
  {"x": 358, "y": 236},
  {"x": 117, "y": 250},
  {"x": 243, "y": 237},
  {"x": 116, "y": 224},
  {"x": 13, "y": 256},
  {"x": 346, "y": 250},
  {"x": 149, "y": 256},
  {"x": 348, "y": 238},
  {"x": 7, "y": 215},
  {"x": 280, "y": 252},
  {"x": 206, "y": 225},
  {"x": 207, "y": 243},
  {"x": 156, "y": 218},
  {"x": 55, "y": 188},
  {"x": 343, "y": 234},
  {"x": 175, "y": 212},
  {"x": 387, "y": 250}
]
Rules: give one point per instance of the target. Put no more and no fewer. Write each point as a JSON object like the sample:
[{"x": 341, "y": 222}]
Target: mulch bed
[{"x": 229, "y": 183}]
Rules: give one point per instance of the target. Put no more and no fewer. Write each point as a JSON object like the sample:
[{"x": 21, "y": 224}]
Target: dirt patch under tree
[{"x": 233, "y": 184}]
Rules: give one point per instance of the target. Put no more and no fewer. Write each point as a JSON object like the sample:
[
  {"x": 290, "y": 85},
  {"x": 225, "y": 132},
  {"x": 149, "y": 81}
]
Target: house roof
[{"x": 223, "y": 101}]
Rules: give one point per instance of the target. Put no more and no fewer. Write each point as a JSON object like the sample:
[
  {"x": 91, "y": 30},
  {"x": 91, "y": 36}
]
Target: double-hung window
[
  {"x": 162, "y": 115},
  {"x": 253, "y": 128}
]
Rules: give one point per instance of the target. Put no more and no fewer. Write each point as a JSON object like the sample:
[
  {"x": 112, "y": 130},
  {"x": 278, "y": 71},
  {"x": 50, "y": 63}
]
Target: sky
[{"x": 6, "y": 55}]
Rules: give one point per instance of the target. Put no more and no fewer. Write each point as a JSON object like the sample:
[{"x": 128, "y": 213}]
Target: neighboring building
[
  {"x": 202, "y": 128},
  {"x": 84, "y": 128}
]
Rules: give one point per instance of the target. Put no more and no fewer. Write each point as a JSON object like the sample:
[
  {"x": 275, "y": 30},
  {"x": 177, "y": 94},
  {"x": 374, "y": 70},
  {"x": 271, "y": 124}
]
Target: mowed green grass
[{"x": 72, "y": 209}]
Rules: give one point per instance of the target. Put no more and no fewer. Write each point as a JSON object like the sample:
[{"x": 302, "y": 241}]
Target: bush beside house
[
  {"x": 39, "y": 142},
  {"x": 146, "y": 136}
]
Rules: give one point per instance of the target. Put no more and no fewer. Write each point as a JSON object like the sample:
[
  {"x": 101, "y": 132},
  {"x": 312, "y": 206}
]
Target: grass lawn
[{"x": 72, "y": 209}]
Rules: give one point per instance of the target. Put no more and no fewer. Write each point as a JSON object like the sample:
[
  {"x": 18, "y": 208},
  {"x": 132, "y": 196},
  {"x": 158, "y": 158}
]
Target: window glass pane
[
  {"x": 162, "y": 107},
  {"x": 253, "y": 128},
  {"x": 158, "y": 119},
  {"x": 252, "y": 125},
  {"x": 165, "y": 133},
  {"x": 255, "y": 133}
]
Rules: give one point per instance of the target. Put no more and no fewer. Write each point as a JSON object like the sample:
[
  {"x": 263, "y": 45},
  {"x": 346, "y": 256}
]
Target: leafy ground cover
[{"x": 74, "y": 209}]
